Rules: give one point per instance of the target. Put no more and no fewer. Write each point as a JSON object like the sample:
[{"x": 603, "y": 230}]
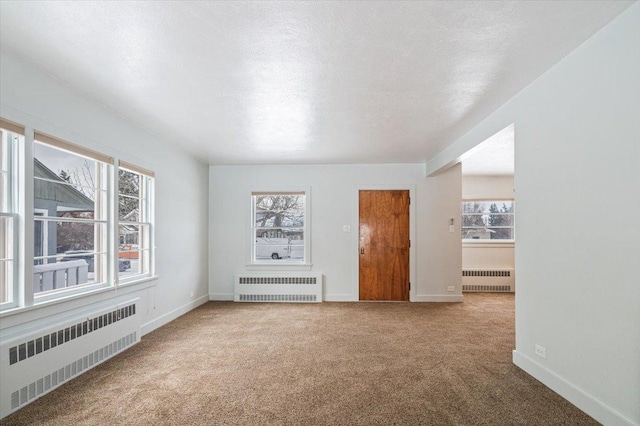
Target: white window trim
[
  {"x": 13, "y": 180},
  {"x": 306, "y": 264},
  {"x": 147, "y": 193},
  {"x": 489, "y": 242},
  {"x": 22, "y": 212},
  {"x": 102, "y": 243}
]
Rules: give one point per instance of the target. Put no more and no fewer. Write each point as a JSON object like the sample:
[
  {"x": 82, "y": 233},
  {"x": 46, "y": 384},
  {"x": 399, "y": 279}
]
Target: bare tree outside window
[
  {"x": 488, "y": 220},
  {"x": 279, "y": 227}
]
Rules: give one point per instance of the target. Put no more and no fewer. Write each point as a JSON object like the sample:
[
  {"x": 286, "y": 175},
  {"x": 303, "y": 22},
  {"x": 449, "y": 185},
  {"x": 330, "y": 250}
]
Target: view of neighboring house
[{"x": 55, "y": 197}]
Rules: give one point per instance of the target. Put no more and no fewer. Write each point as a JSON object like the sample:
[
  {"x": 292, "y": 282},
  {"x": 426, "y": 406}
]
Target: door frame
[{"x": 356, "y": 235}]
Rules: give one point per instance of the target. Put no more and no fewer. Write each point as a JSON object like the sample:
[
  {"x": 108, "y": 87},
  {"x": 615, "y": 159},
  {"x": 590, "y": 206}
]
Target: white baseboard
[
  {"x": 352, "y": 298},
  {"x": 168, "y": 317},
  {"x": 581, "y": 399},
  {"x": 438, "y": 298},
  {"x": 339, "y": 298},
  {"x": 221, "y": 296}
]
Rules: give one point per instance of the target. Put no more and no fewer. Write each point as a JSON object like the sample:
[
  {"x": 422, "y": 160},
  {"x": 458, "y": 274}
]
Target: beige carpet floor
[{"x": 316, "y": 364}]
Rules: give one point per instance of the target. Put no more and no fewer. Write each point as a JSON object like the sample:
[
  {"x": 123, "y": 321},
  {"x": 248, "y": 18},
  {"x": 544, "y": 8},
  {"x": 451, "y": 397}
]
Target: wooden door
[{"x": 384, "y": 245}]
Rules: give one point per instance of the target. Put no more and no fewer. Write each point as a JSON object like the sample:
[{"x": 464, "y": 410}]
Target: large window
[
  {"x": 91, "y": 223},
  {"x": 135, "y": 215},
  {"x": 71, "y": 193},
  {"x": 279, "y": 227},
  {"x": 10, "y": 134},
  {"x": 488, "y": 220}
]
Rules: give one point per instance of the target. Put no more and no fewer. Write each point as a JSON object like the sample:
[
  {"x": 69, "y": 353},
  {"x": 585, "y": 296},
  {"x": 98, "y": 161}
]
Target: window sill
[
  {"x": 137, "y": 281},
  {"x": 488, "y": 243},
  {"x": 275, "y": 267},
  {"x": 130, "y": 286}
]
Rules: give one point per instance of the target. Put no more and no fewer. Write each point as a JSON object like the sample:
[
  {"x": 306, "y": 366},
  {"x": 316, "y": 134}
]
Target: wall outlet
[
  {"x": 541, "y": 352},
  {"x": 346, "y": 228},
  {"x": 191, "y": 294},
  {"x": 451, "y": 288}
]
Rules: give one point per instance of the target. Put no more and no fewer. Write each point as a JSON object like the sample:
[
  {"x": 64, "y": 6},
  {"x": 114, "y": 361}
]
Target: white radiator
[
  {"x": 301, "y": 287},
  {"x": 488, "y": 280},
  {"x": 35, "y": 362}
]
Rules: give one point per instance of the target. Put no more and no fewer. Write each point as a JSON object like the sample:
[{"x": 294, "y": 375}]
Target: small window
[
  {"x": 279, "y": 233},
  {"x": 10, "y": 135},
  {"x": 70, "y": 216},
  {"x": 135, "y": 227},
  {"x": 488, "y": 220}
]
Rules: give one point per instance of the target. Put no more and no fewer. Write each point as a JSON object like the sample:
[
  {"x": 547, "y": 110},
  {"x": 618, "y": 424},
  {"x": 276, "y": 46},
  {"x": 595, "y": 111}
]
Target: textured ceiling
[
  {"x": 301, "y": 82},
  {"x": 494, "y": 156}
]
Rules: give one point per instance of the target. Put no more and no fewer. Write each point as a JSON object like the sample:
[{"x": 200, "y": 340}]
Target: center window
[
  {"x": 70, "y": 216},
  {"x": 488, "y": 220},
  {"x": 279, "y": 227}
]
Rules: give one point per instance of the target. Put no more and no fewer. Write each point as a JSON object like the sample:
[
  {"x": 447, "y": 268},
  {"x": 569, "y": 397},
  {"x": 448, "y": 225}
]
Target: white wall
[
  {"x": 577, "y": 155},
  {"x": 31, "y": 98},
  {"x": 436, "y": 255},
  {"x": 487, "y": 187},
  {"x": 494, "y": 254}
]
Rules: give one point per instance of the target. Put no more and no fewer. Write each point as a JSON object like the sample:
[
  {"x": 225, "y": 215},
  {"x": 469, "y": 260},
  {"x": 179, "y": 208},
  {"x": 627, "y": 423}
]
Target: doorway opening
[{"x": 489, "y": 215}]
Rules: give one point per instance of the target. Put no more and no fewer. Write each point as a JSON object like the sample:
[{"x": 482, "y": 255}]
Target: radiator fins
[
  {"x": 487, "y": 288},
  {"x": 485, "y": 273},
  {"x": 66, "y": 373},
  {"x": 278, "y": 287},
  {"x": 278, "y": 298}
]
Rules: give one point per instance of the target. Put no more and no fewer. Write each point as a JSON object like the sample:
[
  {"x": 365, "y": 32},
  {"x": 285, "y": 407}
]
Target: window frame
[
  {"x": 497, "y": 201},
  {"x": 21, "y": 208},
  {"x": 306, "y": 228},
  {"x": 146, "y": 219},
  {"x": 103, "y": 217},
  {"x": 11, "y": 211}
]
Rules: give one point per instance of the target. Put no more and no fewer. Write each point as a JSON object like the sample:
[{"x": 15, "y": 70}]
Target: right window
[
  {"x": 135, "y": 222},
  {"x": 488, "y": 220}
]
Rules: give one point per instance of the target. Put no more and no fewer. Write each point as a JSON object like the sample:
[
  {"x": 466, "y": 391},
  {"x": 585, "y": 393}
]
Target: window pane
[
  {"x": 65, "y": 184},
  {"x": 501, "y": 220},
  {"x": 6, "y": 280},
  {"x": 6, "y": 237},
  {"x": 501, "y": 233},
  {"x": 131, "y": 263},
  {"x": 5, "y": 166},
  {"x": 488, "y": 220},
  {"x": 134, "y": 250},
  {"x": 279, "y": 211},
  {"x": 62, "y": 165},
  {"x": 73, "y": 268},
  {"x": 128, "y": 208},
  {"x": 6, "y": 259},
  {"x": 3, "y": 151},
  {"x": 474, "y": 220},
  {"x": 128, "y": 183},
  {"x": 8, "y": 195},
  {"x": 279, "y": 232},
  {"x": 134, "y": 255},
  {"x": 59, "y": 199},
  {"x": 133, "y": 237},
  {"x": 279, "y": 244},
  {"x": 4, "y": 193},
  {"x": 272, "y": 248},
  {"x": 487, "y": 207},
  {"x": 60, "y": 238}
]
